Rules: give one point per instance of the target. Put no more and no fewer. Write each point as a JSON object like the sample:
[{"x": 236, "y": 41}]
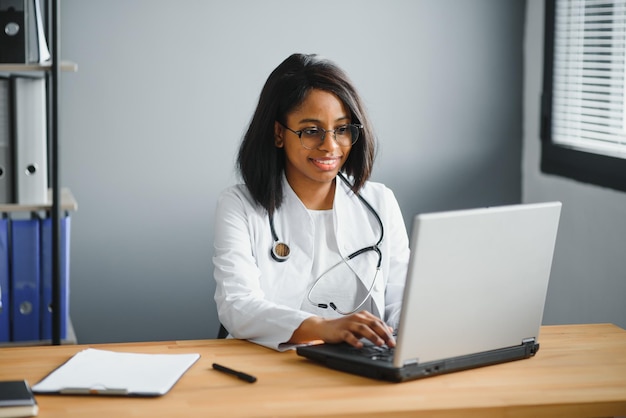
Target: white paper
[{"x": 102, "y": 372}]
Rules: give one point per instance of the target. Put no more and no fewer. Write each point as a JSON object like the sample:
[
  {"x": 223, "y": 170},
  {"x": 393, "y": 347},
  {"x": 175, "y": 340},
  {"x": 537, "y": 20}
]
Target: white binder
[
  {"x": 30, "y": 139},
  {"x": 37, "y": 46},
  {"x": 6, "y": 168}
]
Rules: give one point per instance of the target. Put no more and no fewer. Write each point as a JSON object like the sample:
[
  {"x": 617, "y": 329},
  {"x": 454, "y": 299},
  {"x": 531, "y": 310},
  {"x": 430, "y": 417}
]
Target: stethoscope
[{"x": 280, "y": 252}]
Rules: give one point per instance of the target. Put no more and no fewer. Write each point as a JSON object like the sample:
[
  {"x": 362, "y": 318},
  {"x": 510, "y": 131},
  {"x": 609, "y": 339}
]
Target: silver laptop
[{"x": 474, "y": 294}]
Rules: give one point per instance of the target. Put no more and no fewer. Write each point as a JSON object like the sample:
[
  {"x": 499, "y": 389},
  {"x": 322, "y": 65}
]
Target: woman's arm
[{"x": 242, "y": 304}]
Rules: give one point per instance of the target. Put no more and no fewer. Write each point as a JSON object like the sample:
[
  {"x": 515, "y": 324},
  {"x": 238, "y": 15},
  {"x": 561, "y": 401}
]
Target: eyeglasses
[{"x": 313, "y": 137}]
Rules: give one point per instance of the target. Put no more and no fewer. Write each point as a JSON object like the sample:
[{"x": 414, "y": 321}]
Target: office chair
[{"x": 223, "y": 332}]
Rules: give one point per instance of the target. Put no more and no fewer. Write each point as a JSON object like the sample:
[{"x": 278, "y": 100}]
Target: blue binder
[
  {"x": 5, "y": 317},
  {"x": 45, "y": 312},
  {"x": 25, "y": 279}
]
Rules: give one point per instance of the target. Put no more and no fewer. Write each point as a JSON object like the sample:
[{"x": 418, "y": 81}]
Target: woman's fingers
[{"x": 363, "y": 324}]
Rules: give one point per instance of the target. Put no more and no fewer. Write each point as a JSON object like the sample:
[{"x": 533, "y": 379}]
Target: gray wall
[
  {"x": 588, "y": 282},
  {"x": 151, "y": 122}
]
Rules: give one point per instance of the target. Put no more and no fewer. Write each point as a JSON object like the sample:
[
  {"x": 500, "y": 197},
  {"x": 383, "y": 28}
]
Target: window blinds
[{"x": 588, "y": 111}]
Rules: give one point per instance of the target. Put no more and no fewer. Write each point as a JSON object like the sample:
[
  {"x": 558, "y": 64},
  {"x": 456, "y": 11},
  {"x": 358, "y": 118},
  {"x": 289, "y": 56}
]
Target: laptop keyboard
[{"x": 375, "y": 352}]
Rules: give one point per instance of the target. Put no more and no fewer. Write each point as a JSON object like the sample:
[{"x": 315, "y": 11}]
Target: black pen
[{"x": 243, "y": 376}]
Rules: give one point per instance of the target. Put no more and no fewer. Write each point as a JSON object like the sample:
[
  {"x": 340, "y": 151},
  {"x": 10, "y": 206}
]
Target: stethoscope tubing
[
  {"x": 276, "y": 255},
  {"x": 284, "y": 248}
]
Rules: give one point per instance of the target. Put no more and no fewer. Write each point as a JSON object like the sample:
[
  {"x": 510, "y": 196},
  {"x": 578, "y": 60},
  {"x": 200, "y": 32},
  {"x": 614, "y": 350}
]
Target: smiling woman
[
  {"x": 311, "y": 170},
  {"x": 341, "y": 276},
  {"x": 147, "y": 148}
]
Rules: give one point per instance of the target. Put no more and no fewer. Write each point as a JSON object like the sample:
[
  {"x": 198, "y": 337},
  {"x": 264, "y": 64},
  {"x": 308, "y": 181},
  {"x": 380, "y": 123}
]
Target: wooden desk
[{"x": 579, "y": 371}]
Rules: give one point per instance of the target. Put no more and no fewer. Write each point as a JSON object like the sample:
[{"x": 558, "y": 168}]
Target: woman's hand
[{"x": 350, "y": 328}]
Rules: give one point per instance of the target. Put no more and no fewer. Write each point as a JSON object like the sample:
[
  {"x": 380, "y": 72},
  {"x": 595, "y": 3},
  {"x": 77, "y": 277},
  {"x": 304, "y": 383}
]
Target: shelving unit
[
  {"x": 58, "y": 199},
  {"x": 68, "y": 203},
  {"x": 43, "y": 67}
]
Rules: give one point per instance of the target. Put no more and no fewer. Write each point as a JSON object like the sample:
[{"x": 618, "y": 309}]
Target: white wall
[
  {"x": 151, "y": 122},
  {"x": 588, "y": 282}
]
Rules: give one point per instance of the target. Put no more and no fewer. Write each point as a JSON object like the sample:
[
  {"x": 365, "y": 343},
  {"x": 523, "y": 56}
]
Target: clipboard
[{"x": 102, "y": 372}]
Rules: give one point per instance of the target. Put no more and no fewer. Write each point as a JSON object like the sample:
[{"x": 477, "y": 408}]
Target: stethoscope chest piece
[{"x": 280, "y": 251}]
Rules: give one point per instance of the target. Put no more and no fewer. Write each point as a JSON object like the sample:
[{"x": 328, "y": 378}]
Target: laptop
[{"x": 474, "y": 295}]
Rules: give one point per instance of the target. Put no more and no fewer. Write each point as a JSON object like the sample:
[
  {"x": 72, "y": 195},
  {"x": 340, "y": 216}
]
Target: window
[{"x": 583, "y": 116}]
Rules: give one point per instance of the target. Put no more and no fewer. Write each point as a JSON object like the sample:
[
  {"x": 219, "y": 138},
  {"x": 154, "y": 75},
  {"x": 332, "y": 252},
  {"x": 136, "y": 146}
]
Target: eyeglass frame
[{"x": 358, "y": 126}]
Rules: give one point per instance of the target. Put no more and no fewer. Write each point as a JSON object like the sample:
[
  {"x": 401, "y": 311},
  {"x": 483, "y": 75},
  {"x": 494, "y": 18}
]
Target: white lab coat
[{"x": 258, "y": 298}]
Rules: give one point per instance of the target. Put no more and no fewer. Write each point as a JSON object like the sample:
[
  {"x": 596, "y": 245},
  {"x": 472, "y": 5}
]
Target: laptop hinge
[
  {"x": 411, "y": 361},
  {"x": 531, "y": 345}
]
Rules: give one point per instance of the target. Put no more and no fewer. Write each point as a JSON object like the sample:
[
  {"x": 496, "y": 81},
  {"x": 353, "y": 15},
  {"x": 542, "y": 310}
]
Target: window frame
[{"x": 587, "y": 167}]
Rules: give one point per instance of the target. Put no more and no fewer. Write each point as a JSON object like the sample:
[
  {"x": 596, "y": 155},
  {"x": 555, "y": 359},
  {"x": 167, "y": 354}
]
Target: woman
[{"x": 308, "y": 249}]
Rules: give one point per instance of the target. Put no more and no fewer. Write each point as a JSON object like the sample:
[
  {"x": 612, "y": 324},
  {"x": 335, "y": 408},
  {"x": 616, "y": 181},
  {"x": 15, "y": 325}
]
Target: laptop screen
[{"x": 477, "y": 280}]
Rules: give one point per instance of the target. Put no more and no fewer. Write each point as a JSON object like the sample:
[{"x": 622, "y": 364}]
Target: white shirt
[
  {"x": 260, "y": 299},
  {"x": 331, "y": 278}
]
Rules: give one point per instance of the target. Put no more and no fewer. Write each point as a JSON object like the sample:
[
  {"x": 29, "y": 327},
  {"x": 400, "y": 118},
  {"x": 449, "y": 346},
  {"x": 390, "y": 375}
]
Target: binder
[
  {"x": 37, "y": 47},
  {"x": 29, "y": 139},
  {"x": 5, "y": 317},
  {"x": 22, "y": 34},
  {"x": 13, "y": 32},
  {"x": 45, "y": 308},
  {"x": 25, "y": 279},
  {"x": 6, "y": 158}
]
